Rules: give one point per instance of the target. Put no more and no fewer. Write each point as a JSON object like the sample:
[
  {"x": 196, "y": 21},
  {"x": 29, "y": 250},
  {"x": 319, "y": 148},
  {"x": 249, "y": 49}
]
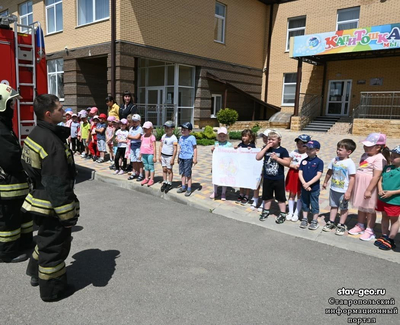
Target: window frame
[
  {"x": 4, "y": 13},
  {"x": 94, "y": 21},
  {"x": 27, "y": 15},
  {"x": 347, "y": 21},
  {"x": 55, "y": 73},
  {"x": 214, "y": 108},
  {"x": 288, "y": 30},
  {"x": 55, "y": 17},
  {"x": 224, "y": 22},
  {"x": 288, "y": 84}
]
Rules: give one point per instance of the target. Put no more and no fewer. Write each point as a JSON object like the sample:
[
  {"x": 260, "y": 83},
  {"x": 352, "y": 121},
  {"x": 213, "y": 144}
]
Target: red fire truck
[{"x": 23, "y": 67}]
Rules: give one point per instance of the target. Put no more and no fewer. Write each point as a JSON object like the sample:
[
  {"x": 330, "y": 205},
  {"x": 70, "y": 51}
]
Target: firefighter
[
  {"x": 15, "y": 227},
  {"x": 50, "y": 166}
]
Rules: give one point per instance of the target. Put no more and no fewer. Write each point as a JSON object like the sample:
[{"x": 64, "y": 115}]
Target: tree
[{"x": 227, "y": 116}]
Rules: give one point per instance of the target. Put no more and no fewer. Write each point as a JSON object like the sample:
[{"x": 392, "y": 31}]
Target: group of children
[{"x": 373, "y": 185}]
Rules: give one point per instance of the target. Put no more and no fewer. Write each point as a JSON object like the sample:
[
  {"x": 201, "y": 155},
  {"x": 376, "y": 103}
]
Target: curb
[{"x": 251, "y": 217}]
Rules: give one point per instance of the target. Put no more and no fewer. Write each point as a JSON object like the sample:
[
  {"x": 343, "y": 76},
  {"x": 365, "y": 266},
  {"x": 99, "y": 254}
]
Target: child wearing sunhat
[{"x": 365, "y": 194}]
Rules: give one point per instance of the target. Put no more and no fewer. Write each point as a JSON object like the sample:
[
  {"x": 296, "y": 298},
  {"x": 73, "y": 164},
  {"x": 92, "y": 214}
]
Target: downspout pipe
[
  {"x": 266, "y": 69},
  {"x": 113, "y": 43}
]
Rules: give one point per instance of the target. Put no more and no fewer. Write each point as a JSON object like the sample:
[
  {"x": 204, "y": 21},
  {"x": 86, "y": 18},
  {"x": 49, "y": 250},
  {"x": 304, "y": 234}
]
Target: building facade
[
  {"x": 342, "y": 80},
  {"x": 189, "y": 58}
]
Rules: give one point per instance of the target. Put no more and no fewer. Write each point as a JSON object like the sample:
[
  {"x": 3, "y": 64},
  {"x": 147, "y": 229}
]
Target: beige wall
[
  {"x": 188, "y": 26},
  {"x": 320, "y": 19},
  {"x": 182, "y": 26}
]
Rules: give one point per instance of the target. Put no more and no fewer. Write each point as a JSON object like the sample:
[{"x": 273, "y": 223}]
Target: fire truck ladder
[{"x": 26, "y": 52}]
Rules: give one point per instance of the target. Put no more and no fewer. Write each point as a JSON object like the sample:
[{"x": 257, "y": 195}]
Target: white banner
[{"x": 236, "y": 167}]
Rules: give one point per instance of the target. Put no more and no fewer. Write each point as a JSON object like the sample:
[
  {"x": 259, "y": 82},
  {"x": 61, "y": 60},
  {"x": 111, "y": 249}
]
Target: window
[
  {"x": 348, "y": 18},
  {"x": 219, "y": 22},
  {"x": 289, "y": 89},
  {"x": 25, "y": 15},
  {"x": 54, "y": 16},
  {"x": 216, "y": 105},
  {"x": 296, "y": 27},
  {"x": 55, "y": 75},
  {"x": 4, "y": 13},
  {"x": 90, "y": 11}
]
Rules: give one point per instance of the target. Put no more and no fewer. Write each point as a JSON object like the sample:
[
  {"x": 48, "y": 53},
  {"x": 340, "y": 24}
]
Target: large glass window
[
  {"x": 216, "y": 105},
  {"x": 219, "y": 22},
  {"x": 25, "y": 15},
  {"x": 348, "y": 18},
  {"x": 54, "y": 16},
  {"x": 90, "y": 11},
  {"x": 55, "y": 74},
  {"x": 296, "y": 26},
  {"x": 289, "y": 89}
]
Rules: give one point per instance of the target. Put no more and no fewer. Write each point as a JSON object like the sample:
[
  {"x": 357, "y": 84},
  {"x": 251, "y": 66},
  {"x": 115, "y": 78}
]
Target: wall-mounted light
[{"x": 66, "y": 50}]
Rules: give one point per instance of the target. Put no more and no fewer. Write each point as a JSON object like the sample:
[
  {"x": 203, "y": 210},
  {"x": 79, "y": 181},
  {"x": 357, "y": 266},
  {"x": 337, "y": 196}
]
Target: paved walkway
[{"x": 202, "y": 185}]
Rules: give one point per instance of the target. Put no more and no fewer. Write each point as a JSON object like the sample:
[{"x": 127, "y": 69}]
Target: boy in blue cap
[
  {"x": 310, "y": 172},
  {"x": 187, "y": 157}
]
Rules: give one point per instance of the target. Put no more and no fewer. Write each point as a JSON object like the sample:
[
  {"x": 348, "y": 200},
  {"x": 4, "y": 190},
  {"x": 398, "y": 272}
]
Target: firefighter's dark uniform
[
  {"x": 50, "y": 166},
  {"x": 15, "y": 227}
]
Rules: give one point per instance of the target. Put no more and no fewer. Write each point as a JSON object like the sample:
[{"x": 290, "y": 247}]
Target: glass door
[
  {"x": 154, "y": 101},
  {"x": 338, "y": 98}
]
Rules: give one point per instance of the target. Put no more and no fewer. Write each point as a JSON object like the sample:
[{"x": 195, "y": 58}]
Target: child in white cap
[{"x": 222, "y": 141}]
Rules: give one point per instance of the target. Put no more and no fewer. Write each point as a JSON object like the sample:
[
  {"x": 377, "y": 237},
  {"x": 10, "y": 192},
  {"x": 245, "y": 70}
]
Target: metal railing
[
  {"x": 378, "y": 105},
  {"x": 158, "y": 113},
  {"x": 310, "y": 105}
]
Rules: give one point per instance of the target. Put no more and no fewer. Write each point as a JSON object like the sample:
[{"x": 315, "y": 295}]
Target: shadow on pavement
[
  {"x": 83, "y": 174},
  {"x": 92, "y": 266}
]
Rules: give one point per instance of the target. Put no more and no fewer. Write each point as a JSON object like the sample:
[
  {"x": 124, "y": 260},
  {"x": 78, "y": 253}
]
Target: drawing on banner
[{"x": 236, "y": 167}]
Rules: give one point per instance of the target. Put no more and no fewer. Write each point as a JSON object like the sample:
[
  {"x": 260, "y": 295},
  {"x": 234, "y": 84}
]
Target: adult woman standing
[
  {"x": 113, "y": 108},
  {"x": 128, "y": 106}
]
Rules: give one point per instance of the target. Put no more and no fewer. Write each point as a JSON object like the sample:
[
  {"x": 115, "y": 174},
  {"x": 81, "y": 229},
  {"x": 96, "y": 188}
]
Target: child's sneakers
[
  {"x": 264, "y": 215},
  {"x": 244, "y": 200},
  {"x": 313, "y": 225},
  {"x": 281, "y": 218},
  {"x": 340, "y": 230},
  {"x": 329, "y": 226},
  {"x": 223, "y": 197},
  {"x": 144, "y": 182},
  {"x": 289, "y": 217},
  {"x": 380, "y": 240},
  {"x": 295, "y": 217},
  {"x": 121, "y": 172},
  {"x": 212, "y": 196},
  {"x": 358, "y": 229},
  {"x": 116, "y": 172},
  {"x": 367, "y": 235},
  {"x": 304, "y": 223},
  {"x": 163, "y": 187},
  {"x": 150, "y": 182},
  {"x": 239, "y": 199},
  {"x": 387, "y": 244}
]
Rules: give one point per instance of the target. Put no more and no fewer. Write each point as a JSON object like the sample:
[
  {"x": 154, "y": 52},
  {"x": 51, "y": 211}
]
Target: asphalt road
[{"x": 137, "y": 259}]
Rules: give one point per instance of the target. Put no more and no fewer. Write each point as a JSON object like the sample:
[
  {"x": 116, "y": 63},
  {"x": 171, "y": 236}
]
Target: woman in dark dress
[{"x": 128, "y": 106}]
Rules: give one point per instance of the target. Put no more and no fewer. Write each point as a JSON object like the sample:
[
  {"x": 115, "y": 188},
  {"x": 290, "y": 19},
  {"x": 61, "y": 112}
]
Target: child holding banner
[
  {"x": 275, "y": 159},
  {"x": 222, "y": 141},
  {"x": 249, "y": 142}
]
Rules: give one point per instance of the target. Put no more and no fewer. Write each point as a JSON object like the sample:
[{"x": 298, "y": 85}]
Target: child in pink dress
[
  {"x": 148, "y": 153},
  {"x": 365, "y": 193}
]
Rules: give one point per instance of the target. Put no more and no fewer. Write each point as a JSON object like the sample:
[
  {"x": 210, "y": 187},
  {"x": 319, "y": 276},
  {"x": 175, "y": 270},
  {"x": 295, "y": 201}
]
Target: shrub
[
  {"x": 256, "y": 128},
  {"x": 235, "y": 135},
  {"x": 158, "y": 133},
  {"x": 198, "y": 135},
  {"x": 209, "y": 132},
  {"x": 205, "y": 142},
  {"x": 227, "y": 116}
]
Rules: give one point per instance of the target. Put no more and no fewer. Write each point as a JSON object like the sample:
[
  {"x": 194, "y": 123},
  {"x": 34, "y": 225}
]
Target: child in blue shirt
[
  {"x": 310, "y": 172},
  {"x": 187, "y": 157},
  {"x": 222, "y": 141}
]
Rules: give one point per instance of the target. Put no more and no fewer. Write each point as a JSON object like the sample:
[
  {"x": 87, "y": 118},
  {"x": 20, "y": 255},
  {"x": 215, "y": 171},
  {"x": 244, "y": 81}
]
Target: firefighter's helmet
[{"x": 6, "y": 93}]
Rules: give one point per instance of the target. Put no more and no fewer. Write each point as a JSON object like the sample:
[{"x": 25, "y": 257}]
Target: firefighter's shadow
[{"x": 92, "y": 266}]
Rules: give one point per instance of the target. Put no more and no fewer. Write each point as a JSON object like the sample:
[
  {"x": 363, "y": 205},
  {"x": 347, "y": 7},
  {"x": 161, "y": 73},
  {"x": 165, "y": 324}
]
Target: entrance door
[
  {"x": 154, "y": 101},
  {"x": 338, "y": 97}
]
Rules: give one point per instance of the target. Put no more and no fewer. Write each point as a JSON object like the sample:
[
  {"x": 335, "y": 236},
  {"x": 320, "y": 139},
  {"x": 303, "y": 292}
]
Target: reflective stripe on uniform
[
  {"x": 67, "y": 211},
  {"x": 32, "y": 204},
  {"x": 36, "y": 147},
  {"x": 8, "y": 236},
  {"x": 35, "y": 253},
  {"x": 47, "y": 273},
  {"x": 27, "y": 227},
  {"x": 14, "y": 190}
]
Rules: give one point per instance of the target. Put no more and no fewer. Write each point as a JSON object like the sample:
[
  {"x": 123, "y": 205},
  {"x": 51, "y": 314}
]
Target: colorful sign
[
  {"x": 373, "y": 38},
  {"x": 236, "y": 167}
]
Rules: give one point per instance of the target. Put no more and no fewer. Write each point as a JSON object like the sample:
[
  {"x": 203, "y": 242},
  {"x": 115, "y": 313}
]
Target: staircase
[{"x": 321, "y": 124}]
